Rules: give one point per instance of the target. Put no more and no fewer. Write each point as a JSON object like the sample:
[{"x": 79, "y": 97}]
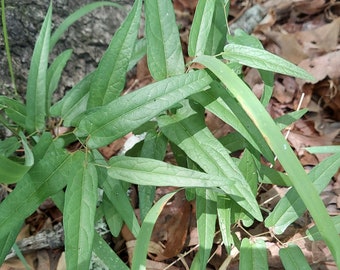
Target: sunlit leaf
[
  {"x": 264, "y": 60},
  {"x": 128, "y": 112},
  {"x": 109, "y": 79},
  {"x": 291, "y": 206},
  {"x": 36, "y": 84},
  {"x": 200, "y": 27},
  {"x": 253, "y": 255},
  {"x": 79, "y": 210},
  {"x": 293, "y": 259},
  {"x": 164, "y": 51}
]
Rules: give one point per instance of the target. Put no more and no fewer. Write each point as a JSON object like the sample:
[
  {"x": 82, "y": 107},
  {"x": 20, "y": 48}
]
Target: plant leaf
[
  {"x": 253, "y": 255},
  {"x": 36, "y": 83},
  {"x": 188, "y": 131},
  {"x": 45, "y": 178},
  {"x": 79, "y": 211},
  {"x": 280, "y": 147},
  {"x": 11, "y": 171},
  {"x": 293, "y": 259},
  {"x": 54, "y": 74},
  {"x": 200, "y": 27},
  {"x": 74, "y": 102},
  {"x": 164, "y": 50},
  {"x": 218, "y": 31},
  {"x": 143, "y": 239},
  {"x": 76, "y": 16},
  {"x": 106, "y": 254},
  {"x": 291, "y": 206},
  {"x": 109, "y": 78},
  {"x": 261, "y": 59},
  {"x": 128, "y": 112},
  {"x": 15, "y": 110},
  {"x": 314, "y": 234},
  {"x": 118, "y": 197},
  {"x": 206, "y": 204}
]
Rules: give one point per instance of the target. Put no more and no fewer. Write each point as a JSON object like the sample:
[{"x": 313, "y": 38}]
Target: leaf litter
[{"x": 301, "y": 31}]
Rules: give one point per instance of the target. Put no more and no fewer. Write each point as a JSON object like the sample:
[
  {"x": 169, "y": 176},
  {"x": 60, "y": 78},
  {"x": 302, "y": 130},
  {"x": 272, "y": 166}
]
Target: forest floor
[{"x": 304, "y": 32}]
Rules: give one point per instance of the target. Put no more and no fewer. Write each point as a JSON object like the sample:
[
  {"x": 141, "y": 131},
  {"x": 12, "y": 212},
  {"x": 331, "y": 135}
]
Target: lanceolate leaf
[
  {"x": 14, "y": 109},
  {"x": 280, "y": 147},
  {"x": 143, "y": 239},
  {"x": 253, "y": 255},
  {"x": 164, "y": 49},
  {"x": 36, "y": 85},
  {"x": 44, "y": 179},
  {"x": 261, "y": 59},
  {"x": 206, "y": 204},
  {"x": 187, "y": 130},
  {"x": 54, "y": 74},
  {"x": 109, "y": 79},
  {"x": 293, "y": 259},
  {"x": 128, "y": 112},
  {"x": 74, "y": 102},
  {"x": 79, "y": 211},
  {"x": 291, "y": 206},
  {"x": 200, "y": 28}
]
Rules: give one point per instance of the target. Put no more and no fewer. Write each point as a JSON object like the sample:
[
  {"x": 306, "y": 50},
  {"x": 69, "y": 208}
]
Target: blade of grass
[
  {"x": 281, "y": 148},
  {"x": 7, "y": 49}
]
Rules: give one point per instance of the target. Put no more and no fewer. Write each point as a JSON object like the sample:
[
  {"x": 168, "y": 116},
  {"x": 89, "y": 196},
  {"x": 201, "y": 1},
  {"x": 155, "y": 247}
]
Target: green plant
[{"x": 168, "y": 110}]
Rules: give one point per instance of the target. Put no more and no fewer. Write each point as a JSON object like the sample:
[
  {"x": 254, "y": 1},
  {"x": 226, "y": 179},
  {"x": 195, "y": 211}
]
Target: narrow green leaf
[
  {"x": 138, "y": 53},
  {"x": 293, "y": 259},
  {"x": 143, "y": 239},
  {"x": 79, "y": 211},
  {"x": 118, "y": 197},
  {"x": 8, "y": 240},
  {"x": 218, "y": 31},
  {"x": 11, "y": 171},
  {"x": 280, "y": 147},
  {"x": 109, "y": 79},
  {"x": 143, "y": 171},
  {"x": 314, "y": 234},
  {"x": 45, "y": 178},
  {"x": 188, "y": 130},
  {"x": 224, "y": 221},
  {"x": 15, "y": 110},
  {"x": 323, "y": 149},
  {"x": 154, "y": 146},
  {"x": 36, "y": 84},
  {"x": 29, "y": 158},
  {"x": 76, "y": 16},
  {"x": 8, "y": 146},
  {"x": 289, "y": 118},
  {"x": 106, "y": 254},
  {"x": 291, "y": 206},
  {"x": 200, "y": 27},
  {"x": 54, "y": 74},
  {"x": 112, "y": 217},
  {"x": 218, "y": 101},
  {"x": 74, "y": 102},
  {"x": 128, "y": 112},
  {"x": 206, "y": 204},
  {"x": 164, "y": 50},
  {"x": 253, "y": 255},
  {"x": 261, "y": 59}
]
